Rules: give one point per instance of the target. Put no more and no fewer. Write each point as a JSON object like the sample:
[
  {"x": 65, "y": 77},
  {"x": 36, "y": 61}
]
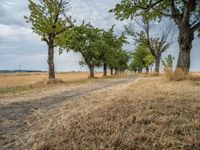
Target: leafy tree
[
  {"x": 123, "y": 61},
  {"x": 106, "y": 45},
  {"x": 85, "y": 41},
  {"x": 185, "y": 13},
  {"x": 113, "y": 46},
  {"x": 141, "y": 58},
  {"x": 49, "y": 21},
  {"x": 168, "y": 63}
]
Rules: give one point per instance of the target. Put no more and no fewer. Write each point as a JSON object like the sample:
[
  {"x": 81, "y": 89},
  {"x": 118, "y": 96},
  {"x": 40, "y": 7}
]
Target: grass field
[
  {"x": 22, "y": 79},
  {"x": 149, "y": 113},
  {"x": 20, "y": 82}
]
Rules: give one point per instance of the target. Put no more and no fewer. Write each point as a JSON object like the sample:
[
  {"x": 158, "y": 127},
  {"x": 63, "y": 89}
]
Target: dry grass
[
  {"x": 149, "y": 114},
  {"x": 179, "y": 75},
  {"x": 20, "y": 82},
  {"x": 22, "y": 79}
]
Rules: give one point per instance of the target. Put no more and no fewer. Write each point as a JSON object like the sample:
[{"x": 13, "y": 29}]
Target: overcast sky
[{"x": 19, "y": 46}]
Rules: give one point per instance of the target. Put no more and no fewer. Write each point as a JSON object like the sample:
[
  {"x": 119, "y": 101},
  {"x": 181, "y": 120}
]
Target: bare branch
[{"x": 195, "y": 27}]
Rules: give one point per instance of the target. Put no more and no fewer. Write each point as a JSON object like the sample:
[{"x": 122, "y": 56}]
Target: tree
[
  {"x": 50, "y": 22},
  {"x": 168, "y": 62},
  {"x": 85, "y": 41},
  {"x": 185, "y": 13},
  {"x": 119, "y": 61},
  {"x": 123, "y": 59},
  {"x": 105, "y": 45},
  {"x": 108, "y": 44},
  {"x": 156, "y": 44},
  {"x": 141, "y": 58}
]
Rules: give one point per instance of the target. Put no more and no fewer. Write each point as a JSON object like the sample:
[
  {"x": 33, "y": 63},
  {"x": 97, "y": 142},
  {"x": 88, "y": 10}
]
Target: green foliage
[
  {"x": 85, "y": 40},
  {"x": 110, "y": 47},
  {"x": 168, "y": 62},
  {"x": 48, "y": 18},
  {"x": 97, "y": 46},
  {"x": 133, "y": 8},
  {"x": 120, "y": 61},
  {"x": 141, "y": 58},
  {"x": 156, "y": 9}
]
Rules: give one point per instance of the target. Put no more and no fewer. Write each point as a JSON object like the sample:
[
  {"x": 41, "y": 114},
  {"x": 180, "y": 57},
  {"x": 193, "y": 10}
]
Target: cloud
[{"x": 18, "y": 45}]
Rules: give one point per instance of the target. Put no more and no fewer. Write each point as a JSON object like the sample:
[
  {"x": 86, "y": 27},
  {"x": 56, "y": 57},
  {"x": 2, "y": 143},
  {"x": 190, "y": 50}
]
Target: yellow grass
[
  {"x": 21, "y": 83},
  {"x": 23, "y": 79},
  {"x": 150, "y": 114}
]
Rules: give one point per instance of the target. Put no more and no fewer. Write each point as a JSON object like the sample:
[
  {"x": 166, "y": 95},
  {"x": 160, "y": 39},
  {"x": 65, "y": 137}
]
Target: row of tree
[
  {"x": 149, "y": 47},
  {"x": 184, "y": 13},
  {"x": 98, "y": 48},
  {"x": 103, "y": 48}
]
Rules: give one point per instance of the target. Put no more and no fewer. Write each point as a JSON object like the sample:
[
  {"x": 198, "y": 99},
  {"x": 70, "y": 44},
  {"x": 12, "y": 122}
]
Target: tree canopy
[
  {"x": 49, "y": 20},
  {"x": 49, "y": 17}
]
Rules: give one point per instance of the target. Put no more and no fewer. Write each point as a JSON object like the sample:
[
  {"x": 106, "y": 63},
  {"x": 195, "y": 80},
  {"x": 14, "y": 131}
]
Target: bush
[{"x": 178, "y": 75}]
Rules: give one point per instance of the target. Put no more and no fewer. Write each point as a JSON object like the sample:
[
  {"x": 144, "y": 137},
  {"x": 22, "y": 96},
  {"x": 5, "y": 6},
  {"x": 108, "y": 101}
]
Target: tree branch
[
  {"x": 149, "y": 6},
  {"x": 175, "y": 13},
  {"x": 195, "y": 27},
  {"x": 45, "y": 39}
]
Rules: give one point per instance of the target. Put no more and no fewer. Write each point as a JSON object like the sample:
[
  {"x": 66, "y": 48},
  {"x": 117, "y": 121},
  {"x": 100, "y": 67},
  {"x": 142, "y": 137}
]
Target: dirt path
[{"x": 16, "y": 116}]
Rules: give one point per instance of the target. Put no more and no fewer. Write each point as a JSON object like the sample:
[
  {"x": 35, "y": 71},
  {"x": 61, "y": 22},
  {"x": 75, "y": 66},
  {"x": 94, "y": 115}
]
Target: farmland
[
  {"x": 25, "y": 79},
  {"x": 11, "y": 84}
]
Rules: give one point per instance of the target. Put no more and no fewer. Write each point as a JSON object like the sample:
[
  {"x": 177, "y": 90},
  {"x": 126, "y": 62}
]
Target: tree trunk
[
  {"x": 51, "y": 58},
  {"x": 111, "y": 71},
  {"x": 116, "y": 71},
  {"x": 147, "y": 70},
  {"x": 185, "y": 45},
  {"x": 157, "y": 65},
  {"x": 91, "y": 67},
  {"x": 104, "y": 69},
  {"x": 140, "y": 70}
]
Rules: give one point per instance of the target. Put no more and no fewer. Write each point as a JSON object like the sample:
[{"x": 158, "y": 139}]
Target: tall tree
[
  {"x": 185, "y": 13},
  {"x": 85, "y": 41},
  {"x": 49, "y": 20},
  {"x": 105, "y": 44},
  {"x": 109, "y": 43}
]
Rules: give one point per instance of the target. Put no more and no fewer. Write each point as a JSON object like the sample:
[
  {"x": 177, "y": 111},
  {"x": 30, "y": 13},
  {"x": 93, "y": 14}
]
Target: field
[
  {"x": 11, "y": 84},
  {"x": 24, "y": 79},
  {"x": 127, "y": 112}
]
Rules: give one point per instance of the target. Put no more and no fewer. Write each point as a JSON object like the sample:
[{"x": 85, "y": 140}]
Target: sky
[{"x": 19, "y": 46}]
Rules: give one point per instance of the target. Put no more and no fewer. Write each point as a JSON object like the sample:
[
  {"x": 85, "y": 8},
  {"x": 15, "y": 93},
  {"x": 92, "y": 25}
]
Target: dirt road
[{"x": 15, "y": 117}]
